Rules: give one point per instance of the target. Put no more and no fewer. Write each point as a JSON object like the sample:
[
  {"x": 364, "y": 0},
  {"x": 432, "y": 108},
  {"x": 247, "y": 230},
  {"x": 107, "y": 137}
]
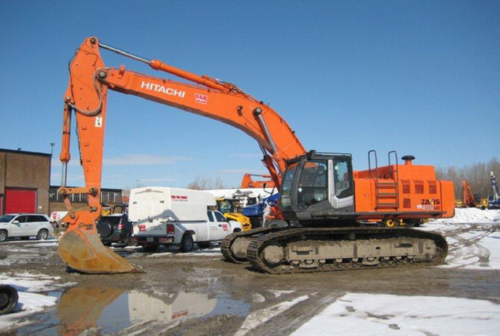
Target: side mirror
[{"x": 15, "y": 222}]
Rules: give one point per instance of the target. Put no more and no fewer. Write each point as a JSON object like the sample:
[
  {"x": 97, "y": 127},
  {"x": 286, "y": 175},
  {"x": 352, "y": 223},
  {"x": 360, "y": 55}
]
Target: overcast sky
[{"x": 419, "y": 77}]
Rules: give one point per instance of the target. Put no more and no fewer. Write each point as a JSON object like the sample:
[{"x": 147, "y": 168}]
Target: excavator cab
[{"x": 317, "y": 183}]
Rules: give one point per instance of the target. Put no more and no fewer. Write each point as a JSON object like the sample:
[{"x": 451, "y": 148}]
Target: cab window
[
  {"x": 210, "y": 216},
  {"x": 313, "y": 183},
  {"x": 342, "y": 177},
  {"x": 220, "y": 217},
  {"x": 286, "y": 187}
]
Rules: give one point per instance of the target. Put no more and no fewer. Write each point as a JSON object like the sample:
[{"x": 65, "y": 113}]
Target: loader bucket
[{"x": 81, "y": 248}]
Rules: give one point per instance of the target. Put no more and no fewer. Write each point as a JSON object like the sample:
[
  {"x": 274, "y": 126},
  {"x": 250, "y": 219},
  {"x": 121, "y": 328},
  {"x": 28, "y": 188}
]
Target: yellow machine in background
[{"x": 229, "y": 207}]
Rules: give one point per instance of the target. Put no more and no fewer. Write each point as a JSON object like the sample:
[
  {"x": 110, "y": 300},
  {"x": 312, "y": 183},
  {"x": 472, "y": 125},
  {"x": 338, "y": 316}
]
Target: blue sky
[{"x": 419, "y": 77}]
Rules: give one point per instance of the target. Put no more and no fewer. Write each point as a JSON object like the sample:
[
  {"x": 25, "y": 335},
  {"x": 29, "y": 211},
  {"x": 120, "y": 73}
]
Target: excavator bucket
[
  {"x": 80, "y": 308},
  {"x": 81, "y": 248}
]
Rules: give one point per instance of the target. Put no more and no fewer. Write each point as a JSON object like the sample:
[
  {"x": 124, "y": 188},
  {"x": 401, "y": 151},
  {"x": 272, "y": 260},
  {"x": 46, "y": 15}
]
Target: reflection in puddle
[{"x": 112, "y": 309}]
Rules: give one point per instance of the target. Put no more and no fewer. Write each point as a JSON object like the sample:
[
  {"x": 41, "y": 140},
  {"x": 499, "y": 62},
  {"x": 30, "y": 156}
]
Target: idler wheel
[{"x": 273, "y": 254}]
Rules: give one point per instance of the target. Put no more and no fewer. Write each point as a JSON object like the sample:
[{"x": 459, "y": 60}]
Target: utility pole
[{"x": 52, "y": 144}]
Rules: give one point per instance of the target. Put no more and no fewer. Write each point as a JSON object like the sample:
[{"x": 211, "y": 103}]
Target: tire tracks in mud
[{"x": 464, "y": 249}]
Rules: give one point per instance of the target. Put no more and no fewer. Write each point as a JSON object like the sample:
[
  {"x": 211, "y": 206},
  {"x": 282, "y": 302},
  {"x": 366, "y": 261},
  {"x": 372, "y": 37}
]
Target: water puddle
[{"x": 112, "y": 310}]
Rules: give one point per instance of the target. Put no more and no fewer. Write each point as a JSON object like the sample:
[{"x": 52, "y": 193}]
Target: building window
[
  {"x": 107, "y": 196},
  {"x": 111, "y": 197}
]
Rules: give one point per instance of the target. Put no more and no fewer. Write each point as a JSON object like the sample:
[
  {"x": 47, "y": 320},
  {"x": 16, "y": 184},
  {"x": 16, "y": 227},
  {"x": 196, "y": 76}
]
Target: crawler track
[{"x": 307, "y": 250}]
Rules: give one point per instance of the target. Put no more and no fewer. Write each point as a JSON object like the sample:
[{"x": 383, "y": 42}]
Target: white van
[{"x": 174, "y": 216}]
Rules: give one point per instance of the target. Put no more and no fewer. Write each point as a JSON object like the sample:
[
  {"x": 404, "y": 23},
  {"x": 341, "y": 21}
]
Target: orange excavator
[
  {"x": 470, "y": 199},
  {"x": 322, "y": 199},
  {"x": 468, "y": 195},
  {"x": 248, "y": 181}
]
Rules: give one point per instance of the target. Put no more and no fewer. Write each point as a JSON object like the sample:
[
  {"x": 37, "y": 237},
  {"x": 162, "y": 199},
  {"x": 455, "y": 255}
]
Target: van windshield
[{"x": 6, "y": 218}]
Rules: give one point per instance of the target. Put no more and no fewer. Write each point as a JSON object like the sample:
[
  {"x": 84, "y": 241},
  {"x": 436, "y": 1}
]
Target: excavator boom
[{"x": 86, "y": 96}]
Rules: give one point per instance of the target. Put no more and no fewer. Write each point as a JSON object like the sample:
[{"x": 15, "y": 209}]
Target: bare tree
[
  {"x": 203, "y": 183},
  {"x": 477, "y": 175}
]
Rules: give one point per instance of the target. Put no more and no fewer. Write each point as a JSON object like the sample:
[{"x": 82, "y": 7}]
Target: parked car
[
  {"x": 24, "y": 226},
  {"x": 114, "y": 229}
]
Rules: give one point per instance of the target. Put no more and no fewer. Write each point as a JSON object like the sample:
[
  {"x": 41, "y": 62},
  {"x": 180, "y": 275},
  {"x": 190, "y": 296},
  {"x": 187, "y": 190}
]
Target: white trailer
[{"x": 174, "y": 216}]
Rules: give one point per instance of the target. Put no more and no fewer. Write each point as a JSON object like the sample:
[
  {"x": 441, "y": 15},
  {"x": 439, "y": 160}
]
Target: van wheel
[
  {"x": 187, "y": 243},
  {"x": 42, "y": 234},
  {"x": 3, "y": 235}
]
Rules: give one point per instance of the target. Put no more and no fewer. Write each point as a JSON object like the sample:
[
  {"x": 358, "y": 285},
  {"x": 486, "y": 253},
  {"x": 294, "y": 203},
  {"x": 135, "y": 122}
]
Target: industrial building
[
  {"x": 24, "y": 181},
  {"x": 25, "y": 185}
]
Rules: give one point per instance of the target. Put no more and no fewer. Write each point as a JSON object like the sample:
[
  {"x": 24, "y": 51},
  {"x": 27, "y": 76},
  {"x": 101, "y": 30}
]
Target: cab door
[
  {"x": 16, "y": 228},
  {"x": 33, "y": 223},
  {"x": 213, "y": 227},
  {"x": 223, "y": 227}
]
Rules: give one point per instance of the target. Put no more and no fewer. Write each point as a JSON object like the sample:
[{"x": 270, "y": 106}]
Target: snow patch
[
  {"x": 261, "y": 316},
  {"x": 29, "y": 303},
  {"x": 369, "y": 314}
]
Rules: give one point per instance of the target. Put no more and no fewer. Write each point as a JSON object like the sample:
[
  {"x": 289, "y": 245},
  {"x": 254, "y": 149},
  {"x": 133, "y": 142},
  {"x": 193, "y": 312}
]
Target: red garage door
[{"x": 20, "y": 200}]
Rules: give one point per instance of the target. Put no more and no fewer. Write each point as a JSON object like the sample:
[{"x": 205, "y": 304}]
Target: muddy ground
[{"x": 231, "y": 292}]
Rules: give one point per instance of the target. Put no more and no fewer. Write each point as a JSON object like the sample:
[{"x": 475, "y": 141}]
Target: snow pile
[
  {"x": 367, "y": 314},
  {"x": 471, "y": 215},
  {"x": 29, "y": 302}
]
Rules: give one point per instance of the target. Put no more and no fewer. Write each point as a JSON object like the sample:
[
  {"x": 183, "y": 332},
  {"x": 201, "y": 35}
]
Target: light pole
[{"x": 137, "y": 183}]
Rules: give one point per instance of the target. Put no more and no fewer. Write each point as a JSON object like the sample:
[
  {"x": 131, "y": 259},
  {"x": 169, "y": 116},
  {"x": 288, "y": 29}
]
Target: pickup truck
[{"x": 174, "y": 216}]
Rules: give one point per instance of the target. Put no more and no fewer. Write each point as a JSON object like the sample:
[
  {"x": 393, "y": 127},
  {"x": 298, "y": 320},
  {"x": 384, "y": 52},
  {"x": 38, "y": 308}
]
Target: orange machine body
[
  {"x": 249, "y": 182},
  {"x": 411, "y": 191}
]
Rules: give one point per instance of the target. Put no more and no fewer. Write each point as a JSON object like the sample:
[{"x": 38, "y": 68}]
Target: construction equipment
[
  {"x": 248, "y": 182},
  {"x": 468, "y": 195},
  {"x": 470, "y": 199},
  {"x": 494, "y": 199},
  {"x": 262, "y": 212},
  {"x": 229, "y": 208},
  {"x": 321, "y": 196},
  {"x": 232, "y": 201}
]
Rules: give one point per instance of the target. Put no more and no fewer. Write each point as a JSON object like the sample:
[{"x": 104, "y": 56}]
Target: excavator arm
[{"x": 86, "y": 96}]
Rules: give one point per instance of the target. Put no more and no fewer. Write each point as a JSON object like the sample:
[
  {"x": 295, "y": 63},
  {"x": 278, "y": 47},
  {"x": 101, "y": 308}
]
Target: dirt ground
[{"x": 234, "y": 291}]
